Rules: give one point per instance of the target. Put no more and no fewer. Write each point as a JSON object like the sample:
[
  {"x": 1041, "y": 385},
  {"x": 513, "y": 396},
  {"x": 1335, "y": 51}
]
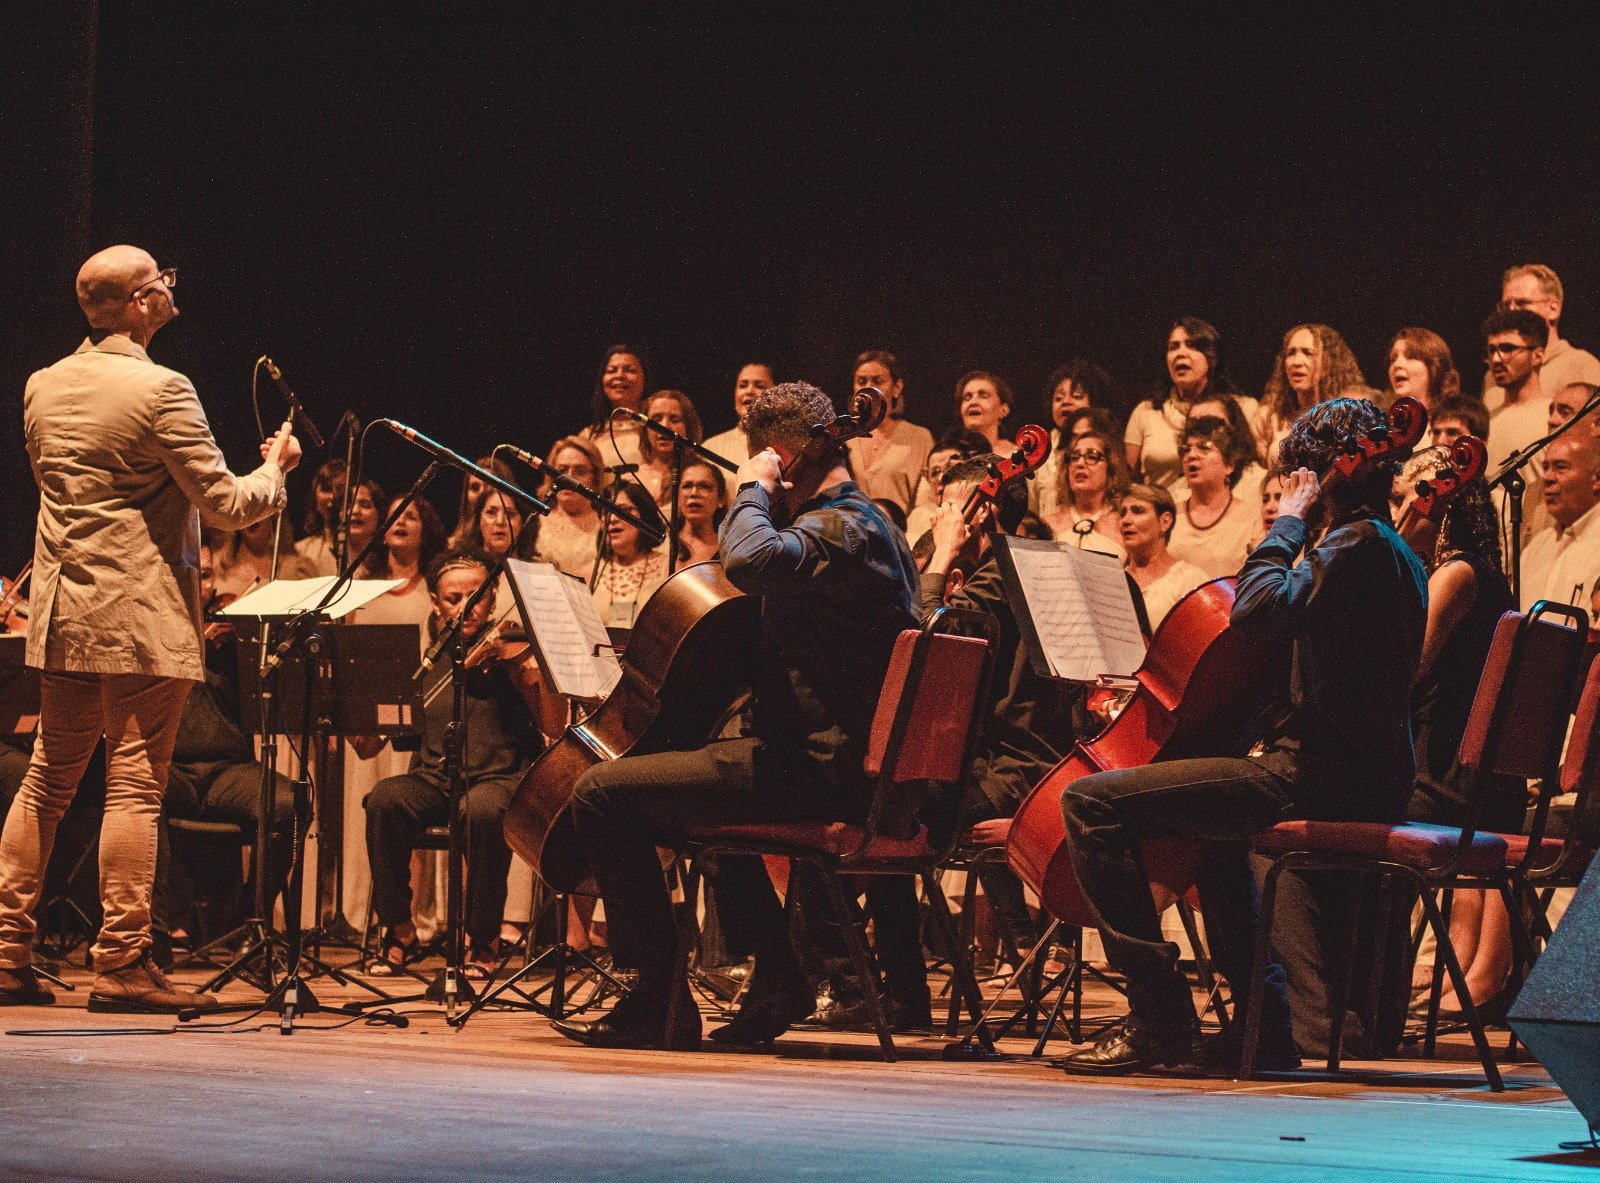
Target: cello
[
  {"x": 1203, "y": 689},
  {"x": 1031, "y": 449},
  {"x": 689, "y": 660}
]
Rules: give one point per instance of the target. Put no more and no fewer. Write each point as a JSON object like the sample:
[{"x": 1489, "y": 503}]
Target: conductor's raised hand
[
  {"x": 1301, "y": 492},
  {"x": 282, "y": 449}
]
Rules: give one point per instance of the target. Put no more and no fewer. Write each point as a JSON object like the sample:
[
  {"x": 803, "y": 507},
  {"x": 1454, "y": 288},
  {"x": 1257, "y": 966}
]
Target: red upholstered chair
[
  {"x": 1516, "y": 728},
  {"x": 1540, "y": 864},
  {"x": 921, "y": 744}
]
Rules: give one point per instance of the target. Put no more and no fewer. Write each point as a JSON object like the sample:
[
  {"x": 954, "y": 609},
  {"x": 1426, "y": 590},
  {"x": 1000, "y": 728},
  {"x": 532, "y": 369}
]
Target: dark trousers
[
  {"x": 892, "y": 903},
  {"x": 622, "y": 810},
  {"x": 1311, "y": 939},
  {"x": 228, "y": 792},
  {"x": 400, "y": 808},
  {"x": 1221, "y": 801}
]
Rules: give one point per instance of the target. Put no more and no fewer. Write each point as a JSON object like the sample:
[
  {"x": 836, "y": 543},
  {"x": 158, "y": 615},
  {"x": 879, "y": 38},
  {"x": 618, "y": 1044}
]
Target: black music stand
[{"x": 357, "y": 681}]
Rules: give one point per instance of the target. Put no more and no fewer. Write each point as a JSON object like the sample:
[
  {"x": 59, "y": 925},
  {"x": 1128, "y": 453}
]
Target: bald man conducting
[{"x": 127, "y": 468}]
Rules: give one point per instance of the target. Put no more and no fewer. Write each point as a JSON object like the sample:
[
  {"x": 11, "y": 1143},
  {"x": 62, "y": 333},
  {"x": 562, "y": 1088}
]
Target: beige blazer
[{"x": 127, "y": 468}]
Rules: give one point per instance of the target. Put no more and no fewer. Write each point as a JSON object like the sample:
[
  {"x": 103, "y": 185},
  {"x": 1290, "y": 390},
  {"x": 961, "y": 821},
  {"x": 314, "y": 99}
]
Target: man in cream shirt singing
[
  {"x": 1563, "y": 560},
  {"x": 127, "y": 469}
]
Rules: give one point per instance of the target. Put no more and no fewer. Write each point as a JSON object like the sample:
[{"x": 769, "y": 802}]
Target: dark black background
[{"x": 444, "y": 212}]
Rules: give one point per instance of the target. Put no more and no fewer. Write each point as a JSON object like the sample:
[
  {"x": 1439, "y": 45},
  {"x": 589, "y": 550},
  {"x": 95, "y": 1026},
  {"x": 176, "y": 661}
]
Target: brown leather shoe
[
  {"x": 20, "y": 987},
  {"x": 141, "y": 988}
]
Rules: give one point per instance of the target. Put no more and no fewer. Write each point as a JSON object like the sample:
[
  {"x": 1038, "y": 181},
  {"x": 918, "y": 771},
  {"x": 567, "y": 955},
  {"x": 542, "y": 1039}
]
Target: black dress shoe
[
  {"x": 1133, "y": 1045},
  {"x": 762, "y": 1019},
  {"x": 637, "y": 1025}
]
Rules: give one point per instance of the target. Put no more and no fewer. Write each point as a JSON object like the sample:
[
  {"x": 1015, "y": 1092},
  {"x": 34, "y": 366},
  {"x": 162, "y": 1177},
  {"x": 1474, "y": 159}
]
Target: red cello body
[{"x": 1202, "y": 690}]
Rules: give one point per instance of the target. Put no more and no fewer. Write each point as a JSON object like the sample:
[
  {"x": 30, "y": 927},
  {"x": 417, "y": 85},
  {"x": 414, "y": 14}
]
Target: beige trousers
[{"x": 138, "y": 715}]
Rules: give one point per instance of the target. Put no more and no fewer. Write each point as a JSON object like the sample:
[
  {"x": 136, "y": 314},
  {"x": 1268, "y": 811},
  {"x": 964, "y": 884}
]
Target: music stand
[
  {"x": 364, "y": 688},
  {"x": 318, "y": 691}
]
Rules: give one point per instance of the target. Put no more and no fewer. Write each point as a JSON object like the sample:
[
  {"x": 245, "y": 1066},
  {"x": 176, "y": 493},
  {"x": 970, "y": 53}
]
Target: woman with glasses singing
[
  {"x": 1194, "y": 369},
  {"x": 1090, "y": 479}
]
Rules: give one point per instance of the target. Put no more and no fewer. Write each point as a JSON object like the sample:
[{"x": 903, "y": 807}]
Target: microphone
[
  {"x": 601, "y": 502},
  {"x": 682, "y": 441},
  {"x": 439, "y": 452},
  {"x": 299, "y": 412}
]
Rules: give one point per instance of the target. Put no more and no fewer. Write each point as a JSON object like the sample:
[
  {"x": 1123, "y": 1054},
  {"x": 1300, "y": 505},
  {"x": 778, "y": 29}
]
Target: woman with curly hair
[
  {"x": 1420, "y": 367},
  {"x": 1313, "y": 366},
  {"x": 1077, "y": 385},
  {"x": 1194, "y": 369}
]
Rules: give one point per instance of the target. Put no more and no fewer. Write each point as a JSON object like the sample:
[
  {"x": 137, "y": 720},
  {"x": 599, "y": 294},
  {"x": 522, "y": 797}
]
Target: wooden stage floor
[{"x": 507, "y": 1098}]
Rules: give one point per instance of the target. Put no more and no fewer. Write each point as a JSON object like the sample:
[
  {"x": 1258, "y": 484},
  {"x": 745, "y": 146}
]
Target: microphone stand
[
  {"x": 300, "y": 632},
  {"x": 682, "y": 446},
  {"x": 682, "y": 441},
  {"x": 1511, "y": 480},
  {"x": 450, "y": 985}
]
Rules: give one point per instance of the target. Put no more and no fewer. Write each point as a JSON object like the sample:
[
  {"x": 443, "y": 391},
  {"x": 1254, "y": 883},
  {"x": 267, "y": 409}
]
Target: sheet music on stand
[
  {"x": 569, "y": 640},
  {"x": 291, "y": 597},
  {"x": 1073, "y": 608}
]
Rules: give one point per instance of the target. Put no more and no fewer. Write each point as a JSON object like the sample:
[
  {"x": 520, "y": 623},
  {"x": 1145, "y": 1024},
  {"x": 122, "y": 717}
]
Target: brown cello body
[
  {"x": 690, "y": 658},
  {"x": 1202, "y": 691}
]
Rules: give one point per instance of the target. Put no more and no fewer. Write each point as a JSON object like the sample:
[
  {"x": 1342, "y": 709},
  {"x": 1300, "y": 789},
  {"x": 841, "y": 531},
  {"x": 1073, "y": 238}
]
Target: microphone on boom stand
[
  {"x": 313, "y": 436},
  {"x": 599, "y": 500}
]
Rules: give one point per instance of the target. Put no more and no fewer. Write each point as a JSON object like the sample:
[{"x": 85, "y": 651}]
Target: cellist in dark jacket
[
  {"x": 838, "y": 584},
  {"x": 1354, "y": 611}
]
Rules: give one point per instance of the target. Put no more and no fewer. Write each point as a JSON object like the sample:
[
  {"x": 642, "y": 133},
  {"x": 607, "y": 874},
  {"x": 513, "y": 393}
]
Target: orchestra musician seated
[
  {"x": 501, "y": 741},
  {"x": 215, "y": 778},
  {"x": 1467, "y": 593},
  {"x": 839, "y": 586},
  {"x": 1353, "y": 614},
  {"x": 1032, "y": 725}
]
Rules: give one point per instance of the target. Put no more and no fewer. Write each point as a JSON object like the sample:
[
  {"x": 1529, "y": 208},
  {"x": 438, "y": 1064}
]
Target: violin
[
  {"x": 1203, "y": 689},
  {"x": 13, "y": 605},
  {"x": 218, "y": 628},
  {"x": 1469, "y": 458},
  {"x": 1032, "y": 447}
]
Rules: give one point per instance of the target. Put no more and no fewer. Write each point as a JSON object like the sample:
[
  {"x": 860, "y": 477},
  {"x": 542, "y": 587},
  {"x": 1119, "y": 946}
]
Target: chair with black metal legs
[
  {"x": 1516, "y": 728},
  {"x": 1541, "y": 864},
  {"x": 921, "y": 745}
]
